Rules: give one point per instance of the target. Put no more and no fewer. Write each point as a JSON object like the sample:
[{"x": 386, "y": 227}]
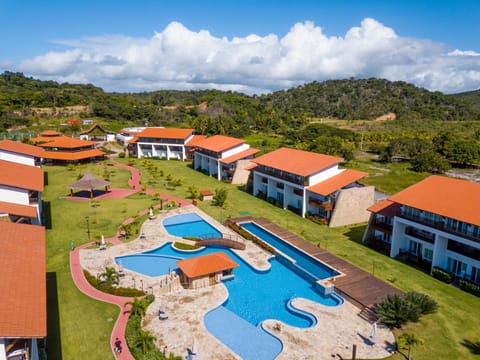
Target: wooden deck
[{"x": 356, "y": 285}]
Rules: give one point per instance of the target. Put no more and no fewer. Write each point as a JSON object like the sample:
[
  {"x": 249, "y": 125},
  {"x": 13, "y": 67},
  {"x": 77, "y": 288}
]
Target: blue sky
[{"x": 151, "y": 44}]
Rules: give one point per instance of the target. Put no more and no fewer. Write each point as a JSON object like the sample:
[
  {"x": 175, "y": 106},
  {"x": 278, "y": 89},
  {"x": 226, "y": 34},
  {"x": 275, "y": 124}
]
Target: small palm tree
[
  {"x": 138, "y": 308},
  {"x": 144, "y": 341},
  {"x": 408, "y": 341},
  {"x": 192, "y": 192},
  {"x": 110, "y": 276}
]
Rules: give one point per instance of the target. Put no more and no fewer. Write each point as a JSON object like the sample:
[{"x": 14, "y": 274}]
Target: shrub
[
  {"x": 121, "y": 155},
  {"x": 183, "y": 246},
  {"x": 442, "y": 275},
  {"x": 396, "y": 310},
  {"x": 246, "y": 235},
  {"x": 469, "y": 287},
  {"x": 109, "y": 289}
]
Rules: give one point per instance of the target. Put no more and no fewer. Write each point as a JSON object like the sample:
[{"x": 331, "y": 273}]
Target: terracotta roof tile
[
  {"x": 219, "y": 143},
  {"x": 65, "y": 142},
  {"x": 23, "y": 287},
  {"x": 385, "y": 207},
  {"x": 18, "y": 210},
  {"x": 206, "y": 264},
  {"x": 453, "y": 198},
  {"x": 336, "y": 182},
  {"x": 165, "y": 133},
  {"x": 50, "y": 133},
  {"x": 298, "y": 162},
  {"x": 72, "y": 156},
  {"x": 21, "y": 176},
  {"x": 21, "y": 148},
  {"x": 195, "y": 140},
  {"x": 239, "y": 156}
]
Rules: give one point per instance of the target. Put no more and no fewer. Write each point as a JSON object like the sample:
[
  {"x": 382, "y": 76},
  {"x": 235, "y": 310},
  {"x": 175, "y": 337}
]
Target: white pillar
[{"x": 3, "y": 355}]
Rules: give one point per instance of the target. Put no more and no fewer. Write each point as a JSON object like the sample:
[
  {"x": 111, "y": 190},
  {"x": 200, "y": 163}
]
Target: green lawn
[{"x": 85, "y": 324}]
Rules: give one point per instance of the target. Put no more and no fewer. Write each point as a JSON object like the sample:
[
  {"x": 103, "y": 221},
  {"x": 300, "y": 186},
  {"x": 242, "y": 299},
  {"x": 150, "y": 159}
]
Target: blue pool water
[
  {"x": 253, "y": 296},
  {"x": 190, "y": 225},
  {"x": 304, "y": 261}
]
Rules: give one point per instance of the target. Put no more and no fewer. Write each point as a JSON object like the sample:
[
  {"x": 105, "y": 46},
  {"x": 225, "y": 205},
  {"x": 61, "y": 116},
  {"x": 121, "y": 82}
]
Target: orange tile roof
[
  {"x": 219, "y": 143},
  {"x": 50, "y": 133},
  {"x": 18, "y": 210},
  {"x": 297, "y": 162},
  {"x": 206, "y": 264},
  {"x": 336, "y": 182},
  {"x": 21, "y": 148},
  {"x": 195, "y": 140},
  {"x": 384, "y": 207},
  {"x": 239, "y": 156},
  {"x": 133, "y": 140},
  {"x": 453, "y": 198},
  {"x": 65, "y": 142},
  {"x": 165, "y": 133},
  {"x": 21, "y": 176},
  {"x": 23, "y": 298},
  {"x": 77, "y": 155}
]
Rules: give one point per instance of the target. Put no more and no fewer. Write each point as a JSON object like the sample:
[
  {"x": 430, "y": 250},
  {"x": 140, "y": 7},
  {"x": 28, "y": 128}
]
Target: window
[
  {"x": 415, "y": 247},
  {"x": 475, "y": 276},
  {"x": 428, "y": 254},
  {"x": 456, "y": 266}
]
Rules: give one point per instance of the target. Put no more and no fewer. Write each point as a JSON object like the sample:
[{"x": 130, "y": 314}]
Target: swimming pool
[
  {"x": 253, "y": 296},
  {"x": 190, "y": 225},
  {"x": 301, "y": 259}
]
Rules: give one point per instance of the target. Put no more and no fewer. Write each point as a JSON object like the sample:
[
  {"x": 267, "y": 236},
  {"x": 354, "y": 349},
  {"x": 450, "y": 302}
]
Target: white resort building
[
  {"x": 434, "y": 223},
  {"x": 163, "y": 143},
  {"x": 21, "y": 153},
  {"x": 311, "y": 184},
  {"x": 218, "y": 155}
]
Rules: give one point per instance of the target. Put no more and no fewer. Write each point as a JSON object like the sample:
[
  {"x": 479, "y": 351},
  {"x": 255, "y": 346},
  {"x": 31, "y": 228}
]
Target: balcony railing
[
  {"x": 422, "y": 235},
  {"x": 326, "y": 205},
  {"x": 380, "y": 224},
  {"x": 283, "y": 177},
  {"x": 440, "y": 225}
]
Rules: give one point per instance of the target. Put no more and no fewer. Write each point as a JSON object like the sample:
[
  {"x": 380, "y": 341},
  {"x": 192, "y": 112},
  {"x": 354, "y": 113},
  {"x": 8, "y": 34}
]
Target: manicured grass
[{"x": 86, "y": 324}]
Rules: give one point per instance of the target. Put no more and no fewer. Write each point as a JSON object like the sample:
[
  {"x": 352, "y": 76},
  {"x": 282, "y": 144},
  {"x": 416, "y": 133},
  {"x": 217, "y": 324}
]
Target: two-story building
[
  {"x": 435, "y": 222},
  {"x": 163, "y": 143},
  {"x": 21, "y": 153},
  {"x": 20, "y": 192},
  {"x": 218, "y": 155},
  {"x": 23, "y": 314},
  {"x": 311, "y": 184}
]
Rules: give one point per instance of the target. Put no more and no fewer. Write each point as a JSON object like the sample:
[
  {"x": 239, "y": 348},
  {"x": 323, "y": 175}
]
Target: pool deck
[
  {"x": 338, "y": 328},
  {"x": 358, "y": 286}
]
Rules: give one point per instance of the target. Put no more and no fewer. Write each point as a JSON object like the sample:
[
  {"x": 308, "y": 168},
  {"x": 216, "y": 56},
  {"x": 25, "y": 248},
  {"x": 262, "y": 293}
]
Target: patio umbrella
[
  {"x": 373, "y": 335},
  {"x": 103, "y": 241},
  {"x": 194, "y": 346},
  {"x": 120, "y": 266},
  {"x": 151, "y": 212}
]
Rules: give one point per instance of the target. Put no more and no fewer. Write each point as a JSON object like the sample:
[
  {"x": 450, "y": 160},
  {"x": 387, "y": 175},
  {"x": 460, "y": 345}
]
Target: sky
[{"x": 253, "y": 47}]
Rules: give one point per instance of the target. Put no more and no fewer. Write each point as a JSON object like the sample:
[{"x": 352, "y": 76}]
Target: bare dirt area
[
  {"x": 466, "y": 174},
  {"x": 55, "y": 111}
]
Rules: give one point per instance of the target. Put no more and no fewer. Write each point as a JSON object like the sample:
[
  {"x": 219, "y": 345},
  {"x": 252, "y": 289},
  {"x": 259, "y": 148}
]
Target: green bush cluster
[
  {"x": 183, "y": 246},
  {"x": 442, "y": 275},
  {"x": 469, "y": 287},
  {"x": 396, "y": 310},
  {"x": 109, "y": 289},
  {"x": 245, "y": 234}
]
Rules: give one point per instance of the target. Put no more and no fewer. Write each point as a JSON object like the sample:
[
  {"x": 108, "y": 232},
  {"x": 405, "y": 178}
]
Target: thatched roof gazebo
[{"x": 89, "y": 182}]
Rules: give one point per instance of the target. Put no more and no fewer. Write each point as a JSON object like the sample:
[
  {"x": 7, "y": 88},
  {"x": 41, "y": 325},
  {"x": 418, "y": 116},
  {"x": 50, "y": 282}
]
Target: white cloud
[{"x": 178, "y": 58}]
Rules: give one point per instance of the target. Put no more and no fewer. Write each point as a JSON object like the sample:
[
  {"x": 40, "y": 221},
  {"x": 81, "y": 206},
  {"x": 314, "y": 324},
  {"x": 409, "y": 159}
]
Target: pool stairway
[{"x": 248, "y": 341}]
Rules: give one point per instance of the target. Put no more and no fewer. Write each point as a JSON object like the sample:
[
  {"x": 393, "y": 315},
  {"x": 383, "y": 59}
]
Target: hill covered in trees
[{"x": 352, "y": 99}]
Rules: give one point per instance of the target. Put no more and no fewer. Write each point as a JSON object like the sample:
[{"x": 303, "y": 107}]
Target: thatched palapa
[{"x": 89, "y": 182}]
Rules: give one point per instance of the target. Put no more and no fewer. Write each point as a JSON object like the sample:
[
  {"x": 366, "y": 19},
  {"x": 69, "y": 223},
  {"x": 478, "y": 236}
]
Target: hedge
[
  {"x": 469, "y": 287},
  {"x": 245, "y": 234},
  {"x": 442, "y": 275},
  {"x": 109, "y": 289}
]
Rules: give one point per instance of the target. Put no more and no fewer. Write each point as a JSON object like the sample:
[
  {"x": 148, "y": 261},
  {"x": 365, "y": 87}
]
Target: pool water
[
  {"x": 190, "y": 225},
  {"x": 302, "y": 260}
]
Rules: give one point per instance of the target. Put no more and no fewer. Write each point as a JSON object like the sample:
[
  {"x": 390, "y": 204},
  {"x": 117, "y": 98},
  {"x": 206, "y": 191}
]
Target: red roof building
[
  {"x": 433, "y": 223},
  {"x": 23, "y": 314},
  {"x": 21, "y": 153},
  {"x": 217, "y": 156},
  {"x": 161, "y": 143},
  {"x": 311, "y": 184},
  {"x": 206, "y": 270}
]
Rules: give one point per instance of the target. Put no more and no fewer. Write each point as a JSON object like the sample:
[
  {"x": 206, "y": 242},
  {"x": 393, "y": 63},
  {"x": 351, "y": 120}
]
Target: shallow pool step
[{"x": 246, "y": 340}]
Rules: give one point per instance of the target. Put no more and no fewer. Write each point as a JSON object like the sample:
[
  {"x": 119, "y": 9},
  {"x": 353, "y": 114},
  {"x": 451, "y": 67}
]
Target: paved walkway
[{"x": 83, "y": 285}]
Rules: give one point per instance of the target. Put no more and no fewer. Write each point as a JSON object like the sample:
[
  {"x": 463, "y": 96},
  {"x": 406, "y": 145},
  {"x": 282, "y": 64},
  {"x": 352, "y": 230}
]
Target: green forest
[{"x": 433, "y": 131}]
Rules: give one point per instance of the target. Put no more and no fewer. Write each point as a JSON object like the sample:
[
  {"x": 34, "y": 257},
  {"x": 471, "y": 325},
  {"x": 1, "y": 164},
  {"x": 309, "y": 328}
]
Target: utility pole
[{"x": 88, "y": 227}]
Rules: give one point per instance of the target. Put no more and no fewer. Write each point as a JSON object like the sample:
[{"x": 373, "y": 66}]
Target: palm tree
[
  {"x": 139, "y": 307},
  {"x": 144, "y": 341},
  {"x": 110, "y": 276},
  {"x": 409, "y": 340}
]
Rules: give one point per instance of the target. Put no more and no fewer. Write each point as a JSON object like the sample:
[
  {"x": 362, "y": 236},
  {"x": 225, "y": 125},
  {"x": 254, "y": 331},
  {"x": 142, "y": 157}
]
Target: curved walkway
[{"x": 83, "y": 285}]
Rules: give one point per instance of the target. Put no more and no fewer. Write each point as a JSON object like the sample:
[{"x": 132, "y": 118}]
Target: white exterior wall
[
  {"x": 162, "y": 153},
  {"x": 14, "y": 195},
  {"x": 234, "y": 150},
  {"x": 208, "y": 163},
  {"x": 17, "y": 158},
  {"x": 324, "y": 175}
]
